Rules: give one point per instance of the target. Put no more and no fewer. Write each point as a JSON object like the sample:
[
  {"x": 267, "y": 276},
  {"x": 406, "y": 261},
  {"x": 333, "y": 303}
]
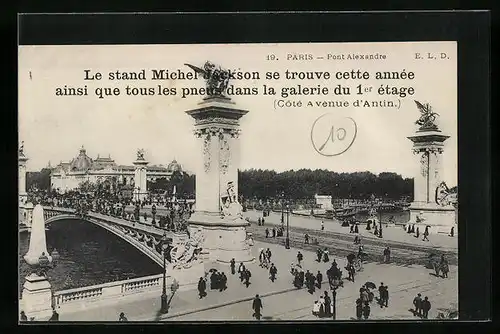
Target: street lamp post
[
  {"x": 287, "y": 241},
  {"x": 164, "y": 299},
  {"x": 282, "y": 207},
  {"x": 334, "y": 303}
]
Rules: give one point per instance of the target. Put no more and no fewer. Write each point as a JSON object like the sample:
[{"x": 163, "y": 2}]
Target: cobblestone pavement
[{"x": 285, "y": 302}]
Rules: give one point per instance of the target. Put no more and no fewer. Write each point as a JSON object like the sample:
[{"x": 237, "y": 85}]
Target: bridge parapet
[{"x": 72, "y": 300}]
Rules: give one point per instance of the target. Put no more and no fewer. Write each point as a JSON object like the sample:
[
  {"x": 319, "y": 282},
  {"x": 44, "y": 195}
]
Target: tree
[{"x": 40, "y": 180}]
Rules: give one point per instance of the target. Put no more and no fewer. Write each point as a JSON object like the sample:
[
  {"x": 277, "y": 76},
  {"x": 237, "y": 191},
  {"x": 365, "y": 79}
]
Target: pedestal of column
[
  {"x": 36, "y": 297},
  {"x": 218, "y": 212},
  {"x": 425, "y": 209}
]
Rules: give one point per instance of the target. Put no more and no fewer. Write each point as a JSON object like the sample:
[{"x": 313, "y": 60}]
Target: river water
[{"x": 88, "y": 255}]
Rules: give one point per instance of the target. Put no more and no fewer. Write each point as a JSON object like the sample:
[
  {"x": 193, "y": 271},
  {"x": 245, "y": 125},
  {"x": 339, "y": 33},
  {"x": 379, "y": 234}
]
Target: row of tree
[
  {"x": 305, "y": 183},
  {"x": 263, "y": 184}
]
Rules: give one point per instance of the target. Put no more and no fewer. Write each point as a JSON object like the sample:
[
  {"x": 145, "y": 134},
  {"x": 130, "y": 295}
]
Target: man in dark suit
[{"x": 257, "y": 306}]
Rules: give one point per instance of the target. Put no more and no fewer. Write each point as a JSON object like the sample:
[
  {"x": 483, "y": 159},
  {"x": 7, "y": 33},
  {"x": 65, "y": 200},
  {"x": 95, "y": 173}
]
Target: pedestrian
[
  {"x": 223, "y": 282},
  {"x": 233, "y": 263},
  {"x": 385, "y": 295},
  {"x": 426, "y": 234},
  {"x": 267, "y": 233},
  {"x": 322, "y": 225},
  {"x": 328, "y": 305},
  {"x": 306, "y": 237},
  {"x": 356, "y": 228},
  {"x": 55, "y": 315},
  {"x": 261, "y": 257},
  {"x": 300, "y": 257},
  {"x": 381, "y": 295},
  {"x": 413, "y": 228},
  {"x": 122, "y": 317},
  {"x": 351, "y": 271},
  {"x": 426, "y": 306},
  {"x": 241, "y": 271},
  {"x": 257, "y": 306},
  {"x": 418, "y": 233},
  {"x": 366, "y": 311},
  {"x": 23, "y": 316},
  {"x": 274, "y": 232},
  {"x": 359, "y": 309},
  {"x": 417, "y": 304},
  {"x": 272, "y": 272},
  {"x": 319, "y": 253},
  {"x": 326, "y": 258},
  {"x": 258, "y": 221},
  {"x": 444, "y": 266},
  {"x": 351, "y": 229},
  {"x": 452, "y": 232},
  {"x": 268, "y": 254},
  {"x": 202, "y": 287},
  {"x": 364, "y": 295},
  {"x": 247, "y": 275},
  {"x": 301, "y": 279},
  {"x": 375, "y": 231},
  {"x": 387, "y": 254},
  {"x": 319, "y": 279}
]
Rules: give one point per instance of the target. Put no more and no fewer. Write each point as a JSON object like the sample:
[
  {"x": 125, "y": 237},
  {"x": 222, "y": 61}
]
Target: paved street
[
  {"x": 287, "y": 303},
  {"x": 396, "y": 233}
]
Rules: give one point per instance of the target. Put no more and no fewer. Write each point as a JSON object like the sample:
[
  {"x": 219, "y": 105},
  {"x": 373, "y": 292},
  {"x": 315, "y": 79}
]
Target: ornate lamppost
[
  {"x": 282, "y": 207},
  {"x": 334, "y": 302},
  {"x": 287, "y": 241},
  {"x": 164, "y": 299}
]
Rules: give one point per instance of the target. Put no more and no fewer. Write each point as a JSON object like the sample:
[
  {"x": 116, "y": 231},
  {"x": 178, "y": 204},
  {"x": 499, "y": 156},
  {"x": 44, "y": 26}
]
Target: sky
[{"x": 54, "y": 128}]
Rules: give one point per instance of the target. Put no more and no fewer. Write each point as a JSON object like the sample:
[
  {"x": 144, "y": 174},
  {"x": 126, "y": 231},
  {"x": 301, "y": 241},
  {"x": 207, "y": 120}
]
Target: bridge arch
[{"x": 146, "y": 243}]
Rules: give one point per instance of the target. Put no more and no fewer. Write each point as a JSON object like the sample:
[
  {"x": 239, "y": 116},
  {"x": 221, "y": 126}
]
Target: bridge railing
[{"x": 97, "y": 295}]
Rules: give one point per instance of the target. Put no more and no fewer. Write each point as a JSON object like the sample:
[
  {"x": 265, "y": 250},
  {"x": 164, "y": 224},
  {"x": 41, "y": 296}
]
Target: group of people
[
  {"x": 410, "y": 229},
  {"x": 322, "y": 255},
  {"x": 421, "y": 306},
  {"x": 274, "y": 232},
  {"x": 265, "y": 258}
]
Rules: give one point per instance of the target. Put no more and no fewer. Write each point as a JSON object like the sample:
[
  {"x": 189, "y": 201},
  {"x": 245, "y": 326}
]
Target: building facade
[{"x": 70, "y": 175}]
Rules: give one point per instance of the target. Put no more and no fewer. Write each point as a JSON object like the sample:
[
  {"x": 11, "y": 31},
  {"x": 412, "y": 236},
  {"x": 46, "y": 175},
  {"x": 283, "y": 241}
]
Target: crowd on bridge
[{"x": 173, "y": 214}]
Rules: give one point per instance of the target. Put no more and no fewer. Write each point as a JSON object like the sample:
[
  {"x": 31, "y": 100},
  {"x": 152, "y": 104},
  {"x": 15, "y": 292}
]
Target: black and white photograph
[{"x": 238, "y": 182}]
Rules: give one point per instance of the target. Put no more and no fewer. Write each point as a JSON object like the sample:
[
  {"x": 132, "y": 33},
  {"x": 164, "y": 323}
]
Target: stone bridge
[{"x": 145, "y": 237}]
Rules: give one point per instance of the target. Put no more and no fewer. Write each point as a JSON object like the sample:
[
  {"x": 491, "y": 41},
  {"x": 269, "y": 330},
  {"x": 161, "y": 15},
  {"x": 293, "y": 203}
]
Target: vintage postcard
[{"x": 238, "y": 182}]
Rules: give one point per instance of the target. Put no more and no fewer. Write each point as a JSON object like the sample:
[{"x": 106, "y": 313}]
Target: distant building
[
  {"x": 325, "y": 201},
  {"x": 69, "y": 175}
]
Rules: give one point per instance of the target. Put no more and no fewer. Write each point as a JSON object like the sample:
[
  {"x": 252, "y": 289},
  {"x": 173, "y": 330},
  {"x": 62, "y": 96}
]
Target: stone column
[
  {"x": 217, "y": 128},
  {"x": 23, "y": 196},
  {"x": 428, "y": 146},
  {"x": 140, "y": 179}
]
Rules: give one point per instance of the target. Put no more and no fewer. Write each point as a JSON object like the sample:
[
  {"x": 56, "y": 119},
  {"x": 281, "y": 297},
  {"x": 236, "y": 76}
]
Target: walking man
[
  {"x": 247, "y": 274},
  {"x": 202, "y": 287},
  {"x": 272, "y": 272},
  {"x": 385, "y": 295},
  {"x": 233, "y": 263},
  {"x": 306, "y": 239},
  {"x": 417, "y": 303},
  {"x": 300, "y": 257},
  {"x": 268, "y": 254},
  {"x": 267, "y": 233},
  {"x": 387, "y": 255},
  {"x": 366, "y": 311},
  {"x": 322, "y": 225},
  {"x": 274, "y": 232},
  {"x": 257, "y": 306},
  {"x": 426, "y": 234},
  {"x": 426, "y": 306},
  {"x": 359, "y": 309},
  {"x": 319, "y": 279},
  {"x": 241, "y": 271}
]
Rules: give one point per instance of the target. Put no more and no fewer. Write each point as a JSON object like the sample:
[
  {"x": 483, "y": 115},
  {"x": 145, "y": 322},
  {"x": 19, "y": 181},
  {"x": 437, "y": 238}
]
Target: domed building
[
  {"x": 70, "y": 175},
  {"x": 174, "y": 167}
]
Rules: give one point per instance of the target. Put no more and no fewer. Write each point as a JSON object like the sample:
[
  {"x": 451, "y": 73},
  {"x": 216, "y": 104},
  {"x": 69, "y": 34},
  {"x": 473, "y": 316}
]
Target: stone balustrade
[{"x": 97, "y": 295}]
